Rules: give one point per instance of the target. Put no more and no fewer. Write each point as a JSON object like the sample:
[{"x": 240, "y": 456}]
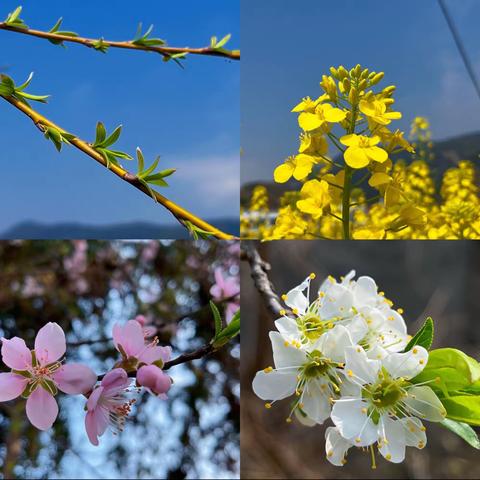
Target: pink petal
[
  {"x": 230, "y": 311},
  {"x": 15, "y": 354},
  {"x": 216, "y": 292},
  {"x": 149, "y": 331},
  {"x": 219, "y": 280},
  {"x": 164, "y": 382},
  {"x": 154, "y": 353},
  {"x": 91, "y": 428},
  {"x": 115, "y": 379},
  {"x": 42, "y": 409},
  {"x": 141, "y": 320},
  {"x": 74, "y": 378},
  {"x": 130, "y": 337},
  {"x": 154, "y": 378},
  {"x": 94, "y": 398},
  {"x": 11, "y": 386},
  {"x": 50, "y": 343}
]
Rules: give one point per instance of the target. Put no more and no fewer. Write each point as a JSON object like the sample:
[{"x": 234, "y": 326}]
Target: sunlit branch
[
  {"x": 166, "y": 51},
  {"x": 183, "y": 216}
]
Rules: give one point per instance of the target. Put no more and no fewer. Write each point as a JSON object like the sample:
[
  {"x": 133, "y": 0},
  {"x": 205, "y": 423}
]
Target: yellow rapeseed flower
[
  {"x": 362, "y": 150},
  {"x": 324, "y": 114},
  {"x": 376, "y": 110},
  {"x": 298, "y": 166},
  {"x": 315, "y": 197}
]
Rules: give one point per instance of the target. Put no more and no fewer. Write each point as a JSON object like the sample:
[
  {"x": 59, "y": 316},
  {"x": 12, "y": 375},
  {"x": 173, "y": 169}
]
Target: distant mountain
[
  {"x": 132, "y": 230},
  {"x": 447, "y": 153}
]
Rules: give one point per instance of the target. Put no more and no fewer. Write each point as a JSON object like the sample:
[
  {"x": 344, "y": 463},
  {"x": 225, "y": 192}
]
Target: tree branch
[
  {"x": 165, "y": 51},
  {"x": 258, "y": 272},
  {"x": 178, "y": 212},
  {"x": 203, "y": 351}
]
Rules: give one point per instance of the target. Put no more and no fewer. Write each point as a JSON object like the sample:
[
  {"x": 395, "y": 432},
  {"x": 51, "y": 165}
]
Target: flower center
[
  {"x": 386, "y": 393},
  {"x": 312, "y": 326},
  {"x": 317, "y": 366}
]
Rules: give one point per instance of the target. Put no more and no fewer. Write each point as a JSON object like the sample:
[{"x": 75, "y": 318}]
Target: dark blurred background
[
  {"x": 439, "y": 279},
  {"x": 86, "y": 287}
]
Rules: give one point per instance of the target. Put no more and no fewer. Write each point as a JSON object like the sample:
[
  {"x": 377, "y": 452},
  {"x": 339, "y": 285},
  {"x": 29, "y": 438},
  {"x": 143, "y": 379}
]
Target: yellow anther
[
  {"x": 391, "y": 318},
  {"x": 282, "y": 312},
  {"x": 412, "y": 429},
  {"x": 284, "y": 297},
  {"x": 321, "y": 294},
  {"x": 388, "y": 456},
  {"x": 421, "y": 445},
  {"x": 409, "y": 337},
  {"x": 421, "y": 362},
  {"x": 422, "y": 429},
  {"x": 312, "y": 276},
  {"x": 350, "y": 373},
  {"x": 389, "y": 302},
  {"x": 268, "y": 406},
  {"x": 400, "y": 311},
  {"x": 381, "y": 293},
  {"x": 358, "y": 439},
  {"x": 295, "y": 311},
  {"x": 330, "y": 325},
  {"x": 364, "y": 410},
  {"x": 330, "y": 453},
  {"x": 343, "y": 461},
  {"x": 298, "y": 393},
  {"x": 286, "y": 343},
  {"x": 301, "y": 405},
  {"x": 369, "y": 322},
  {"x": 288, "y": 420},
  {"x": 331, "y": 279},
  {"x": 268, "y": 369},
  {"x": 359, "y": 349}
]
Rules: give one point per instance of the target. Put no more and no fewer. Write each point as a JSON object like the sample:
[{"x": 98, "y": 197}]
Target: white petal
[
  {"x": 336, "y": 447},
  {"x": 333, "y": 343},
  {"x": 288, "y": 328},
  {"x": 337, "y": 302},
  {"x": 348, "y": 277},
  {"x": 274, "y": 385},
  {"x": 315, "y": 402},
  {"x": 406, "y": 365},
  {"x": 415, "y": 435},
  {"x": 350, "y": 389},
  {"x": 350, "y": 417},
  {"x": 359, "y": 367},
  {"x": 296, "y": 299},
  {"x": 377, "y": 353},
  {"x": 391, "y": 439},
  {"x": 358, "y": 328},
  {"x": 307, "y": 421},
  {"x": 365, "y": 292},
  {"x": 422, "y": 402},
  {"x": 285, "y": 355},
  {"x": 396, "y": 321}
]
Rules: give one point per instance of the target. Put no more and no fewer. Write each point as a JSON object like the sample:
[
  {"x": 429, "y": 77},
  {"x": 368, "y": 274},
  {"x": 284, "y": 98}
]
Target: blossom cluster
[
  {"x": 38, "y": 374},
  {"x": 347, "y": 356},
  {"x": 354, "y": 181}
]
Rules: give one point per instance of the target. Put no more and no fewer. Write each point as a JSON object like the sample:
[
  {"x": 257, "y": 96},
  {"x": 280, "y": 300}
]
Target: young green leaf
[
  {"x": 217, "y": 319},
  {"x": 100, "y": 45},
  {"x": 13, "y": 19},
  {"x": 195, "y": 231},
  {"x": 58, "y": 137},
  {"x": 464, "y": 431},
  {"x": 229, "y": 332},
  {"x": 100, "y": 134},
  {"x": 223, "y": 41},
  {"x": 8, "y": 88},
  {"x": 463, "y": 408},
  {"x": 145, "y": 40},
  {"x": 450, "y": 368},
  {"x": 424, "y": 337}
]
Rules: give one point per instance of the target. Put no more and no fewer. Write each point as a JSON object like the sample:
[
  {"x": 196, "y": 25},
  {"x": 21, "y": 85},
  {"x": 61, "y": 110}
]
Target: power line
[{"x": 460, "y": 46}]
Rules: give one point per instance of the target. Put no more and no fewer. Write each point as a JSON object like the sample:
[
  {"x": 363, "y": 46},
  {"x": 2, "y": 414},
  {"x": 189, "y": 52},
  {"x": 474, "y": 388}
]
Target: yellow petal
[
  {"x": 351, "y": 140},
  {"x": 379, "y": 178},
  {"x": 332, "y": 114},
  {"x": 376, "y": 153},
  {"x": 309, "y": 121},
  {"x": 283, "y": 172},
  {"x": 355, "y": 157},
  {"x": 393, "y": 115},
  {"x": 304, "y": 165}
]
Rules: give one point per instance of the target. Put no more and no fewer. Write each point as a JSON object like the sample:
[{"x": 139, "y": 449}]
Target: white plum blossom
[
  {"x": 386, "y": 408},
  {"x": 342, "y": 355}
]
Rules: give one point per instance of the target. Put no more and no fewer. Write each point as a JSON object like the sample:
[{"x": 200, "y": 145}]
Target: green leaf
[
  {"x": 463, "y": 408},
  {"x": 113, "y": 137},
  {"x": 119, "y": 154},
  {"x": 223, "y": 41},
  {"x": 229, "y": 332},
  {"x": 37, "y": 98},
  {"x": 454, "y": 370},
  {"x": 424, "y": 337},
  {"x": 13, "y": 19},
  {"x": 195, "y": 231},
  {"x": 100, "y": 45},
  {"x": 58, "y": 137},
  {"x": 149, "y": 170},
  {"x": 55, "y": 28},
  {"x": 217, "y": 319},
  {"x": 464, "y": 431},
  {"x": 145, "y": 40},
  {"x": 101, "y": 134},
  {"x": 140, "y": 160}
]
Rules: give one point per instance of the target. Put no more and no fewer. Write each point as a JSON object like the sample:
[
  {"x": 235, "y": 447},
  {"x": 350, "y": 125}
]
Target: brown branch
[
  {"x": 184, "y": 358},
  {"x": 166, "y": 52},
  {"x": 178, "y": 212},
  {"x": 258, "y": 272}
]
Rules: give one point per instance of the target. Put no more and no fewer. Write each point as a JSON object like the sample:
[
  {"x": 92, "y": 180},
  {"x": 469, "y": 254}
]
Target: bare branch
[{"x": 258, "y": 271}]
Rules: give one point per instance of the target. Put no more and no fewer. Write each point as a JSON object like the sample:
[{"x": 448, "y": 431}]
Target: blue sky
[
  {"x": 190, "y": 117},
  {"x": 287, "y": 46}
]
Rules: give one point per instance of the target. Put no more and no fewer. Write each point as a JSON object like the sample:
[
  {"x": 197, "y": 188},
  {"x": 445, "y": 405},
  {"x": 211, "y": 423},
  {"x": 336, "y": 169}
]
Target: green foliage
[
  {"x": 229, "y": 332},
  {"x": 464, "y": 431},
  {"x": 102, "y": 142},
  {"x": 463, "y": 408},
  {"x": 56, "y": 30},
  {"x": 218, "y": 45},
  {"x": 424, "y": 337},
  {"x": 196, "y": 232},
  {"x": 9, "y": 89},
  {"x": 145, "y": 40},
  {"x": 58, "y": 137},
  {"x": 13, "y": 19},
  {"x": 100, "y": 45},
  {"x": 216, "y": 317},
  {"x": 148, "y": 175}
]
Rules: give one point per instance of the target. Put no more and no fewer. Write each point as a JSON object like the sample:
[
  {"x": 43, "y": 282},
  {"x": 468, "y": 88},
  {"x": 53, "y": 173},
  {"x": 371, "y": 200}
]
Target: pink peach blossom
[
  {"x": 154, "y": 379},
  {"x": 39, "y": 373},
  {"x": 129, "y": 340},
  {"x": 226, "y": 287},
  {"x": 108, "y": 405}
]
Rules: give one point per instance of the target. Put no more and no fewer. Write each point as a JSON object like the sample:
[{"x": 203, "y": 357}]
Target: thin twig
[
  {"x": 178, "y": 212},
  {"x": 165, "y": 51},
  {"x": 258, "y": 271},
  {"x": 184, "y": 358}
]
